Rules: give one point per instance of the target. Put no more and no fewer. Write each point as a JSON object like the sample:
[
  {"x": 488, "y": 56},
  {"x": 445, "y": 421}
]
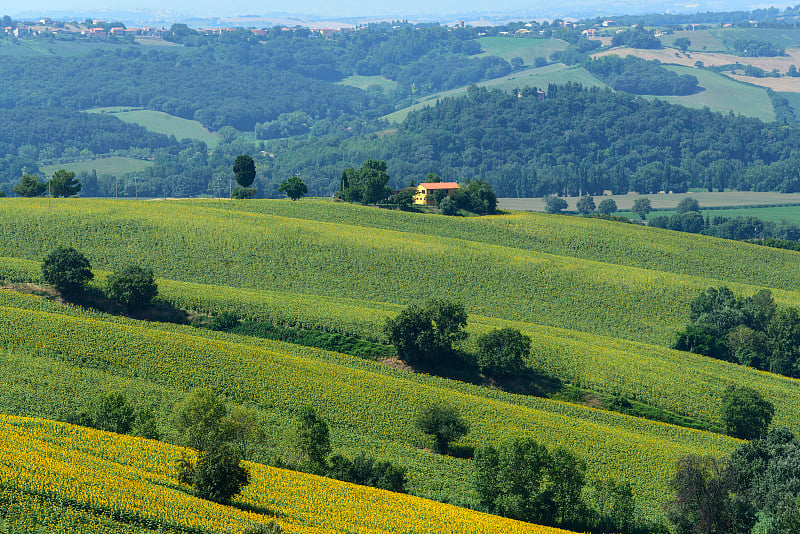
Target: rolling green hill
[
  {"x": 62, "y": 478},
  {"x": 556, "y": 73},
  {"x": 358, "y": 398},
  {"x": 599, "y": 299}
]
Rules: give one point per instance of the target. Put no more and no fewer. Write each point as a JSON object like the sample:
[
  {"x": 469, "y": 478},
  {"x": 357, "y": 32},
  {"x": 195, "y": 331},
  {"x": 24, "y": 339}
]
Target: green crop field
[
  {"x": 364, "y": 82},
  {"x": 527, "y": 49},
  {"x": 357, "y": 397},
  {"x": 724, "y": 94},
  {"x": 601, "y": 300},
  {"x": 721, "y": 39},
  {"x": 557, "y": 73},
  {"x": 784, "y": 37},
  {"x": 116, "y": 166},
  {"x": 160, "y": 122},
  {"x": 533, "y": 276}
]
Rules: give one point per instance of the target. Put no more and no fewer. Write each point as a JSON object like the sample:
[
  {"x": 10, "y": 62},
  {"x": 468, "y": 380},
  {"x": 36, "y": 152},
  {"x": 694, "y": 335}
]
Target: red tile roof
[{"x": 440, "y": 185}]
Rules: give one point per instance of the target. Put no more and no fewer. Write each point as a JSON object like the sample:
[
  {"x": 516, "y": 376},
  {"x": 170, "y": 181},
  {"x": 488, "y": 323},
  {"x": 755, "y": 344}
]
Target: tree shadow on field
[
  {"x": 159, "y": 310},
  {"x": 462, "y": 367},
  {"x": 245, "y": 507},
  {"x": 465, "y": 452}
]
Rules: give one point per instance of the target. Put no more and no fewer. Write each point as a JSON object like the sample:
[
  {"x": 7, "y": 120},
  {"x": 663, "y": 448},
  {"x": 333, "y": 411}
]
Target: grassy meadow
[
  {"x": 365, "y": 82},
  {"x": 723, "y": 94},
  {"x": 163, "y": 123},
  {"x": 540, "y": 77},
  {"x": 527, "y": 49},
  {"x": 116, "y": 165}
]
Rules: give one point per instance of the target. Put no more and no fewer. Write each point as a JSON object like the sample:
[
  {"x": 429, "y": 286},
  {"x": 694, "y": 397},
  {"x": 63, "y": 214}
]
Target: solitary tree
[
  {"x": 67, "y": 270},
  {"x": 132, "y": 286},
  {"x": 641, "y": 207},
  {"x": 607, "y": 206},
  {"x": 245, "y": 170},
  {"x": 293, "y": 187},
  {"x": 444, "y": 423},
  {"x": 682, "y": 43},
  {"x": 586, "y": 205},
  {"x": 502, "y": 351},
  {"x": 64, "y": 184},
  {"x": 311, "y": 438},
  {"x": 30, "y": 186},
  {"x": 745, "y": 413},
  {"x": 687, "y": 204},
  {"x": 554, "y": 204}
]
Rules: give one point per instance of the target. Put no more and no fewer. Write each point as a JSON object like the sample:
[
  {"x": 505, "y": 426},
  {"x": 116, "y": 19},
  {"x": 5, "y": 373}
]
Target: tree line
[{"x": 752, "y": 331}]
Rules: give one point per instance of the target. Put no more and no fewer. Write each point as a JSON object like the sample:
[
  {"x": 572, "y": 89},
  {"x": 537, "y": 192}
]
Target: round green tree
[
  {"x": 111, "y": 411},
  {"x": 586, "y": 205},
  {"x": 132, "y": 286},
  {"x": 311, "y": 438},
  {"x": 607, "y": 206},
  {"x": 745, "y": 413},
  {"x": 293, "y": 187},
  {"x": 502, "y": 352},
  {"x": 641, "y": 207},
  {"x": 219, "y": 475},
  {"x": 554, "y": 204},
  {"x": 444, "y": 422},
  {"x": 67, "y": 270}
]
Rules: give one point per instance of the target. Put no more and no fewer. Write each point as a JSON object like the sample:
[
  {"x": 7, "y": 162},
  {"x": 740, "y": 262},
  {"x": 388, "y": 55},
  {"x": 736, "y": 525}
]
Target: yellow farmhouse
[{"x": 424, "y": 194}]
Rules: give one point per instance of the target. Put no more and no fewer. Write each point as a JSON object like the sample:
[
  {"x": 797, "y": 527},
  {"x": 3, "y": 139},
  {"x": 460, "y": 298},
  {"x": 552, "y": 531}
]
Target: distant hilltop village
[{"x": 100, "y": 29}]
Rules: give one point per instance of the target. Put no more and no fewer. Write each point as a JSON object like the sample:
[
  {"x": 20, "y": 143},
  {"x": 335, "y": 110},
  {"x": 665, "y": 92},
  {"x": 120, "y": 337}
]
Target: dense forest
[
  {"x": 604, "y": 140},
  {"x": 280, "y": 92}
]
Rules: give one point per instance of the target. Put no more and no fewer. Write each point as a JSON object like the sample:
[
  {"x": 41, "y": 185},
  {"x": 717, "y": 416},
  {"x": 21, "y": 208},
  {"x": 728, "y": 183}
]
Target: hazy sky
[{"x": 354, "y": 8}]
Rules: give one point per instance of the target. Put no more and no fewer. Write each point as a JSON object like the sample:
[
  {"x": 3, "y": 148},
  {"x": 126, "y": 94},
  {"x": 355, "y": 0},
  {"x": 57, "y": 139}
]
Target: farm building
[{"x": 424, "y": 195}]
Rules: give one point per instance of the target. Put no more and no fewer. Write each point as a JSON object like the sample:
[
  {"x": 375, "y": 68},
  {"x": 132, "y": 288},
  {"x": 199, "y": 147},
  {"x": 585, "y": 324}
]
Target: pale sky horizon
[{"x": 362, "y": 8}]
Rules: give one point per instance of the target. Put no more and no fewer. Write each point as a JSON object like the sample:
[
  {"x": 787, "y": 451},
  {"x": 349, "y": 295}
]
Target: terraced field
[{"x": 62, "y": 478}]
